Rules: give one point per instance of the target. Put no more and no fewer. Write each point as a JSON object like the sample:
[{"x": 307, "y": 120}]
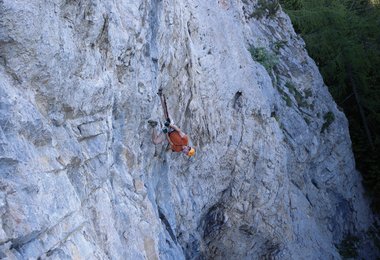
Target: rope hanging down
[{"x": 163, "y": 103}]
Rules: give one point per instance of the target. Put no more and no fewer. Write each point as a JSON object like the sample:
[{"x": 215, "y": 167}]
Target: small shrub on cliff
[
  {"x": 264, "y": 57},
  {"x": 297, "y": 95},
  {"x": 308, "y": 93},
  {"x": 285, "y": 96},
  {"x": 279, "y": 45},
  {"x": 329, "y": 117},
  {"x": 267, "y": 8}
]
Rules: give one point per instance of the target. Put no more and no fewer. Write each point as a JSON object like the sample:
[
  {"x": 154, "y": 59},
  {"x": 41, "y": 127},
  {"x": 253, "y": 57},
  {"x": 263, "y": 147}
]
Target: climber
[{"x": 177, "y": 139}]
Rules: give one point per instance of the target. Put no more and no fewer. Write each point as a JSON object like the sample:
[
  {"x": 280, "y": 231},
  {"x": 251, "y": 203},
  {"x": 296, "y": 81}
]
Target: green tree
[{"x": 343, "y": 37}]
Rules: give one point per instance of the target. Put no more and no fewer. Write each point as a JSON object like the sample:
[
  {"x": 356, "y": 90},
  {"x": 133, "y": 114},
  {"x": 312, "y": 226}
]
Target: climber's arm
[{"x": 157, "y": 138}]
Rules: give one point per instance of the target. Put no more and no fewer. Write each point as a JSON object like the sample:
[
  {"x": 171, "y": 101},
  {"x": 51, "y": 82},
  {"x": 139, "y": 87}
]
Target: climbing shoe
[{"x": 152, "y": 123}]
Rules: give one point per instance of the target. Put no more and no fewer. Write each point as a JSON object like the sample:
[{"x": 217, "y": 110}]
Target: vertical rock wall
[{"x": 80, "y": 178}]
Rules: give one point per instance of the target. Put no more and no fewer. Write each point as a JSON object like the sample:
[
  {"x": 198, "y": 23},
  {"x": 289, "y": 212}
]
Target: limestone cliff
[{"x": 274, "y": 174}]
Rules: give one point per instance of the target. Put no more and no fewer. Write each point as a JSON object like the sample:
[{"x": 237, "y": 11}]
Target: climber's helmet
[{"x": 189, "y": 151}]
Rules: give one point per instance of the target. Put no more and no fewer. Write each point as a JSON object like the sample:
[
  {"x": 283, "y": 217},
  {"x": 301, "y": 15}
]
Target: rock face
[{"x": 274, "y": 174}]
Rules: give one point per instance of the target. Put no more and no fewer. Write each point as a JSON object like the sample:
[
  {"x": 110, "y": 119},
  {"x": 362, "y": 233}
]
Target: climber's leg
[{"x": 157, "y": 138}]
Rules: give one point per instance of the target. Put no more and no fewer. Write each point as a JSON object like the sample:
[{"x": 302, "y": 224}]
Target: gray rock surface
[{"x": 80, "y": 178}]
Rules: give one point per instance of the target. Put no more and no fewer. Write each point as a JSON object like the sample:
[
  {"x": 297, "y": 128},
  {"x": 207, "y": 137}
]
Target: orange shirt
[{"x": 178, "y": 141}]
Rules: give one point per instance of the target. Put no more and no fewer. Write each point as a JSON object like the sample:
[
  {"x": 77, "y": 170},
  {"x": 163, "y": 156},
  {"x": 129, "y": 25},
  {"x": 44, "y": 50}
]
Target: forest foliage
[{"x": 343, "y": 37}]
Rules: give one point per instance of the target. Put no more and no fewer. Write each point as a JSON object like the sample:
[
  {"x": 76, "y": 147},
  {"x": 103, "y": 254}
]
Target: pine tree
[{"x": 343, "y": 37}]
